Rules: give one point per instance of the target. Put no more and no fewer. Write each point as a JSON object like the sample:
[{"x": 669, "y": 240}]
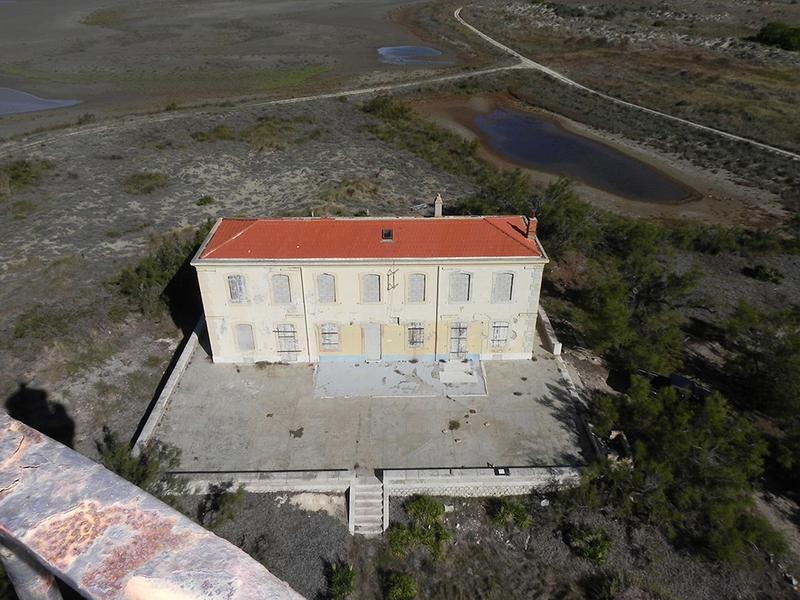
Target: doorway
[{"x": 372, "y": 341}]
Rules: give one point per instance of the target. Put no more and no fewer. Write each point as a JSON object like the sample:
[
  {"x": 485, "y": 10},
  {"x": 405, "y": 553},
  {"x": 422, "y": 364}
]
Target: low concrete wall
[
  {"x": 547, "y": 333},
  {"x": 336, "y": 482},
  {"x": 160, "y": 407},
  {"x": 469, "y": 483}
]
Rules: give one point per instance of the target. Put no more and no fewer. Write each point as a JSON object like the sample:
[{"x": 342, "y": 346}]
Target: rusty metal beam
[{"x": 106, "y": 538}]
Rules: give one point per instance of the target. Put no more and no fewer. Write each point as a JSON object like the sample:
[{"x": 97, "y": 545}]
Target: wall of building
[{"x": 393, "y": 313}]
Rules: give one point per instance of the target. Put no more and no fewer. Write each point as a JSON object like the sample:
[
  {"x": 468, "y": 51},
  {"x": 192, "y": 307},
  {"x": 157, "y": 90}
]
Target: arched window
[
  {"x": 460, "y": 287},
  {"x": 370, "y": 288},
  {"x": 326, "y": 287},
  {"x": 502, "y": 287},
  {"x": 416, "y": 288},
  {"x": 281, "y": 290}
]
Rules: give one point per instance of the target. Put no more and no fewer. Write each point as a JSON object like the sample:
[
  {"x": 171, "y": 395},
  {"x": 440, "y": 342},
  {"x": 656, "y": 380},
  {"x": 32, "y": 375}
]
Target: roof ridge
[
  {"x": 520, "y": 242},
  {"x": 230, "y": 239}
]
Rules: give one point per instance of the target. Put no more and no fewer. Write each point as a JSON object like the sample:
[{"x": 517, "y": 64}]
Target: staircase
[{"x": 366, "y": 506}]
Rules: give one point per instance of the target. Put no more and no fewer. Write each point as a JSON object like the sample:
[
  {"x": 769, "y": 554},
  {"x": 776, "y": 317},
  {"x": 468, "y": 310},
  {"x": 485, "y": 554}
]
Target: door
[
  {"x": 372, "y": 341},
  {"x": 458, "y": 340}
]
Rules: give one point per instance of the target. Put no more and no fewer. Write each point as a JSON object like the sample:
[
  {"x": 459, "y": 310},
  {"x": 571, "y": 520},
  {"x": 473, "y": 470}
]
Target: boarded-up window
[
  {"x": 326, "y": 286},
  {"x": 502, "y": 287},
  {"x": 460, "y": 284},
  {"x": 416, "y": 287},
  {"x": 458, "y": 340},
  {"x": 499, "y": 334},
  {"x": 370, "y": 288},
  {"x": 329, "y": 332},
  {"x": 287, "y": 341},
  {"x": 416, "y": 335},
  {"x": 244, "y": 337},
  {"x": 236, "y": 289},
  {"x": 281, "y": 291}
]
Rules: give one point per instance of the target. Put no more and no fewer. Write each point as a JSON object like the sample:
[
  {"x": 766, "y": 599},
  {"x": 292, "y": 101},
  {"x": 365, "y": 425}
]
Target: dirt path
[{"x": 526, "y": 62}]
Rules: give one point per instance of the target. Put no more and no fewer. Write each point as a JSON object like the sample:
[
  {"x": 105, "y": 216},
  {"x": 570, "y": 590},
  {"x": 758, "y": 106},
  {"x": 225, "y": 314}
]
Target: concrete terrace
[{"x": 282, "y": 417}]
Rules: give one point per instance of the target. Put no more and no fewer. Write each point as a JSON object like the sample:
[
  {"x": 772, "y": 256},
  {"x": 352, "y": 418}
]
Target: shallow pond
[
  {"x": 410, "y": 55},
  {"x": 540, "y": 144},
  {"x": 14, "y": 101}
]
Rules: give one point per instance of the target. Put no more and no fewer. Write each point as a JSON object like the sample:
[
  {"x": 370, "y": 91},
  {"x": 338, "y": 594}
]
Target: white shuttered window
[
  {"x": 236, "y": 289},
  {"x": 370, "y": 288},
  {"x": 460, "y": 287},
  {"x": 416, "y": 335},
  {"x": 281, "y": 290},
  {"x": 502, "y": 287},
  {"x": 329, "y": 333},
  {"x": 500, "y": 334},
  {"x": 326, "y": 287},
  {"x": 416, "y": 287}
]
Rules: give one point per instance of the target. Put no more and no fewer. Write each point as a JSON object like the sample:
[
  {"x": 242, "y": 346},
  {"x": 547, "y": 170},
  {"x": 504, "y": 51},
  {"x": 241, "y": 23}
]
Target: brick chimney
[
  {"x": 530, "y": 232},
  {"x": 437, "y": 206}
]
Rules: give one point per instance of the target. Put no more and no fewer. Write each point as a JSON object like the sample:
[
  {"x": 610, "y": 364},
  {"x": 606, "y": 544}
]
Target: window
[
  {"x": 329, "y": 334},
  {"x": 236, "y": 289},
  {"x": 387, "y": 235},
  {"x": 499, "y": 334},
  {"x": 281, "y": 290},
  {"x": 416, "y": 287},
  {"x": 326, "y": 287},
  {"x": 244, "y": 337},
  {"x": 502, "y": 287},
  {"x": 460, "y": 287},
  {"x": 458, "y": 340},
  {"x": 370, "y": 288},
  {"x": 416, "y": 335},
  {"x": 287, "y": 340}
]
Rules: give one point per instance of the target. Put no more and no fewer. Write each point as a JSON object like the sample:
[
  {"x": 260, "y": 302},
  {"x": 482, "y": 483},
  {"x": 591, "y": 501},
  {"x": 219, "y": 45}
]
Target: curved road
[
  {"x": 523, "y": 62},
  {"x": 530, "y": 64}
]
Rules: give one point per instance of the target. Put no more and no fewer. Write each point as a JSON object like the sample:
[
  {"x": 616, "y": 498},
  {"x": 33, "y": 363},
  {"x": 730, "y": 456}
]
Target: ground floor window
[
  {"x": 499, "y": 334},
  {"x": 329, "y": 333},
  {"x": 458, "y": 340},
  {"x": 287, "y": 340},
  {"x": 244, "y": 337},
  {"x": 416, "y": 335}
]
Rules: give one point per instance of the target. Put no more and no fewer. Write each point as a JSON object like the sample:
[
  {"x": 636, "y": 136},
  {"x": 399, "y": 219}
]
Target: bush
[
  {"x": 20, "y": 174},
  {"x": 401, "y": 587},
  {"x": 427, "y": 529},
  {"x": 779, "y": 34},
  {"x": 401, "y": 540},
  {"x": 505, "y": 512},
  {"x": 341, "y": 580},
  {"x": 205, "y": 201},
  {"x": 589, "y": 543},
  {"x": 220, "y": 504},
  {"x": 147, "y": 471},
  {"x": 764, "y": 273},
  {"x": 86, "y": 118},
  {"x": 164, "y": 279},
  {"x": 425, "y": 510},
  {"x": 145, "y": 182}
]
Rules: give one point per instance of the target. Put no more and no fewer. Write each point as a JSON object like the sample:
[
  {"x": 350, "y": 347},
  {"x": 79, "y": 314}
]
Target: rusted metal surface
[{"x": 106, "y": 538}]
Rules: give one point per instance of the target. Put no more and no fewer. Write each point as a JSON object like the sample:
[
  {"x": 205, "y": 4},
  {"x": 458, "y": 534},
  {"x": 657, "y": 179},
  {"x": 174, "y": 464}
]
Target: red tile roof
[{"x": 328, "y": 238}]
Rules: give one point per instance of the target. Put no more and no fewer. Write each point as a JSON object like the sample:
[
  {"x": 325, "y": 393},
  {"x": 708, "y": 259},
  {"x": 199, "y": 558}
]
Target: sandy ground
[{"x": 717, "y": 198}]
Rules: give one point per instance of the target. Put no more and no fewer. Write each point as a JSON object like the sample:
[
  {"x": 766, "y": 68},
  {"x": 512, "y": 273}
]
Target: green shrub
[
  {"x": 220, "y": 504},
  {"x": 164, "y": 279},
  {"x": 20, "y": 174},
  {"x": 589, "y": 543},
  {"x": 764, "y": 273},
  {"x": 205, "y": 201},
  {"x": 86, "y": 118},
  {"x": 401, "y": 540},
  {"x": 505, "y": 512},
  {"x": 145, "y": 182},
  {"x": 401, "y": 587},
  {"x": 424, "y": 510},
  {"x": 220, "y": 132},
  {"x": 42, "y": 322},
  {"x": 147, "y": 471},
  {"x": 387, "y": 108},
  {"x": 341, "y": 580},
  {"x": 779, "y": 34},
  {"x": 427, "y": 529}
]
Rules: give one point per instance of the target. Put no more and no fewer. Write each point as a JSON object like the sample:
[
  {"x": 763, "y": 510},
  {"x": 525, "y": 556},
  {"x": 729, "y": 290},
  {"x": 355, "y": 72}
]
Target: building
[{"x": 318, "y": 289}]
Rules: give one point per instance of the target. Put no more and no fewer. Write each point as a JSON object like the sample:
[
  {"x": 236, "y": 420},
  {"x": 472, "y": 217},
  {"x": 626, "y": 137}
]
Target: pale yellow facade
[{"x": 268, "y": 310}]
